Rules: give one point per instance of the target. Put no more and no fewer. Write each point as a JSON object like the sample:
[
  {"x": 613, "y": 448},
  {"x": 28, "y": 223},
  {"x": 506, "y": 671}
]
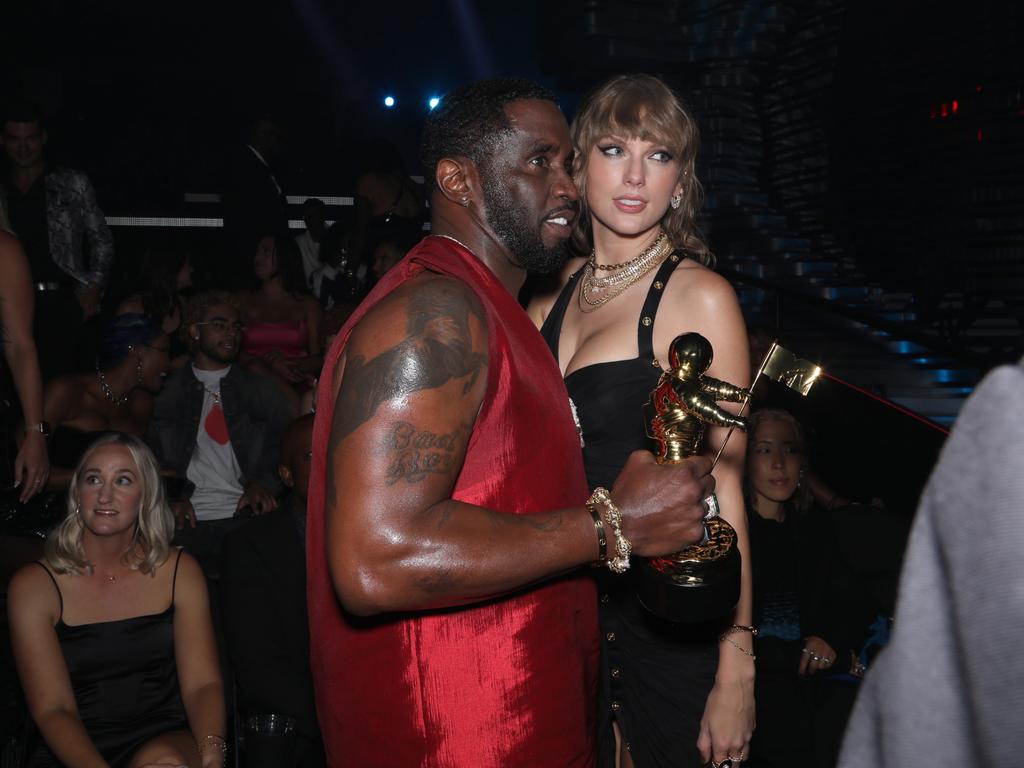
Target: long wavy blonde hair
[
  {"x": 642, "y": 107},
  {"x": 154, "y": 527}
]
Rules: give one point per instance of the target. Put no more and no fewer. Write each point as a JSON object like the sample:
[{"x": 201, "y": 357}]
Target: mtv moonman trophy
[{"x": 702, "y": 582}]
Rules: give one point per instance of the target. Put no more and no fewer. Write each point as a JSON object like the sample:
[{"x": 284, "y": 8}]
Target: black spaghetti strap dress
[
  {"x": 125, "y": 680},
  {"x": 655, "y": 676}
]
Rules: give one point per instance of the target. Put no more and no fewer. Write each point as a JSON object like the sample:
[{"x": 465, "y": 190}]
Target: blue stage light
[
  {"x": 389, "y": 101},
  {"x": 434, "y": 101}
]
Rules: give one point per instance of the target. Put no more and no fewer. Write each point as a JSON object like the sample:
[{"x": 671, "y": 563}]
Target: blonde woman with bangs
[
  {"x": 111, "y": 631},
  {"x": 671, "y": 695}
]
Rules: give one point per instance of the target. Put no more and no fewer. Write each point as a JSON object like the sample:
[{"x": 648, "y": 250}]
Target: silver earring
[
  {"x": 465, "y": 202},
  {"x": 676, "y": 201}
]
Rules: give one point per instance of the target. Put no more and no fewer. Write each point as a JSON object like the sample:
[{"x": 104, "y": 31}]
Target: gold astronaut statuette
[{"x": 701, "y": 582}]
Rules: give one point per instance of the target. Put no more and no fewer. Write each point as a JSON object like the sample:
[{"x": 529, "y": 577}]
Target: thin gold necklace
[{"x": 597, "y": 291}]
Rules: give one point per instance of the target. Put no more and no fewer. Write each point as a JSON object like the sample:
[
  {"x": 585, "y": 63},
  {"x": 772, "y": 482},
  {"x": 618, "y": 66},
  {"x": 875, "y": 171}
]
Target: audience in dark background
[
  {"x": 264, "y": 590},
  {"x": 253, "y": 199},
  {"x": 282, "y": 321},
  {"x": 70, "y": 250}
]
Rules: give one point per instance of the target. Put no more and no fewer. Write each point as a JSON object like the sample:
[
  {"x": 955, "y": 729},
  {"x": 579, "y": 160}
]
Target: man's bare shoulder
[
  {"x": 414, "y": 305},
  {"x": 430, "y": 334}
]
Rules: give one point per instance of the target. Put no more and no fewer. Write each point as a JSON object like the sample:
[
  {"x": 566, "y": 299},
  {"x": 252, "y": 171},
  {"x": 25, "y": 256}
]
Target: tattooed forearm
[
  {"x": 415, "y": 454},
  {"x": 438, "y": 349}
]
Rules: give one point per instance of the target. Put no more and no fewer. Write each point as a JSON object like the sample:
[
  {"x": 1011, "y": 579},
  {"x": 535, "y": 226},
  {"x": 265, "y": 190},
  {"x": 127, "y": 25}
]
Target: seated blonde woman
[{"x": 111, "y": 630}]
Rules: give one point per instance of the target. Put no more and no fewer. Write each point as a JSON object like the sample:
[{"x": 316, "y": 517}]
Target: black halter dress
[{"x": 655, "y": 676}]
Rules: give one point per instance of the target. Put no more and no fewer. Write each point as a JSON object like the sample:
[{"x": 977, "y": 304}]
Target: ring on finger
[{"x": 711, "y": 509}]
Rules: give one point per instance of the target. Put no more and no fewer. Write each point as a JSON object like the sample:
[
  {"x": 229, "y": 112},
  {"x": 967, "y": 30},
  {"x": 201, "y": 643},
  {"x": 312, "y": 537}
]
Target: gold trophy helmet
[{"x": 689, "y": 356}]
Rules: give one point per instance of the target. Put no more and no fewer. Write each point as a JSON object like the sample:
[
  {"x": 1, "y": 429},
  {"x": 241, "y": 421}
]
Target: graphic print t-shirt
[{"x": 214, "y": 468}]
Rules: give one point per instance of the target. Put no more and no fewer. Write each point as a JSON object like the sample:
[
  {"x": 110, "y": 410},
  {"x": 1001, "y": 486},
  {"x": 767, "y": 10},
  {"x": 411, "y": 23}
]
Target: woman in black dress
[
  {"x": 111, "y": 631},
  {"x": 671, "y": 695}
]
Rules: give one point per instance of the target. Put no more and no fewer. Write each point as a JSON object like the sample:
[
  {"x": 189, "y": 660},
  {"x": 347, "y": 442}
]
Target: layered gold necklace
[{"x": 596, "y": 291}]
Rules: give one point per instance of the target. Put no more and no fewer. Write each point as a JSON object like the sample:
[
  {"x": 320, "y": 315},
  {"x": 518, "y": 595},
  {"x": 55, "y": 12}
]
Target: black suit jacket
[
  {"x": 266, "y": 626},
  {"x": 252, "y": 207}
]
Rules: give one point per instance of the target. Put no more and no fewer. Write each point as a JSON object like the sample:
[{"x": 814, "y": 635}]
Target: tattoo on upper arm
[
  {"x": 416, "y": 453},
  {"x": 437, "y": 349}
]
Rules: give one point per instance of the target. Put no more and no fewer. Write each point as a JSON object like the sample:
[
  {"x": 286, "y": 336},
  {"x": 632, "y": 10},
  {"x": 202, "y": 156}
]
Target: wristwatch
[{"x": 42, "y": 427}]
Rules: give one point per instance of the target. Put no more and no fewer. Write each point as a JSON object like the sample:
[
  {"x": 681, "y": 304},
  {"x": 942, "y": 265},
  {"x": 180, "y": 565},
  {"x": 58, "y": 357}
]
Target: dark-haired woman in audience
[
  {"x": 282, "y": 321},
  {"x": 117, "y": 396},
  {"x": 673, "y": 695},
  {"x": 31, "y": 464},
  {"x": 111, "y": 631},
  {"x": 807, "y": 630},
  {"x": 165, "y": 270}
]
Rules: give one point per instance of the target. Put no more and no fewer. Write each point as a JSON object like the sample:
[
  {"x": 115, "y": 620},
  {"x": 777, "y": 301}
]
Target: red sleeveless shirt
[{"x": 507, "y": 682}]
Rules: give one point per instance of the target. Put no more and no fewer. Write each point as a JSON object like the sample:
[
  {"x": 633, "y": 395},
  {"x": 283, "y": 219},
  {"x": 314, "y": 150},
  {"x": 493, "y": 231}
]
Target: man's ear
[
  {"x": 457, "y": 179},
  {"x": 286, "y": 475}
]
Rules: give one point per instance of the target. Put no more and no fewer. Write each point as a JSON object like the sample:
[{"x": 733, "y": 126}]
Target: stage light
[
  {"x": 434, "y": 101},
  {"x": 389, "y": 101}
]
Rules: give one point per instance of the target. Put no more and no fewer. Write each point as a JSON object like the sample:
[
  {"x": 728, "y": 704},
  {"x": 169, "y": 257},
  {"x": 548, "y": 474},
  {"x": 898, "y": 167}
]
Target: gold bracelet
[
  {"x": 613, "y": 518},
  {"x": 602, "y": 539},
  {"x": 737, "y": 646},
  {"x": 740, "y": 628}
]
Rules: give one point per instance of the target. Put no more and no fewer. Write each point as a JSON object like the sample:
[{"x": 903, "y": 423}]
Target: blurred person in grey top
[{"x": 949, "y": 688}]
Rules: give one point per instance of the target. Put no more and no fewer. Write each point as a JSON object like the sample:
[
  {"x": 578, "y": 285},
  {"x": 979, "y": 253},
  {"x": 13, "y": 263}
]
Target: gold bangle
[
  {"x": 613, "y": 518},
  {"x": 602, "y": 538},
  {"x": 740, "y": 628}
]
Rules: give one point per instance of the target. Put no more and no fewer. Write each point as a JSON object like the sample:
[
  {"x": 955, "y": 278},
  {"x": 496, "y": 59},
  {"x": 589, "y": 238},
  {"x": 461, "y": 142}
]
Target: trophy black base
[{"x": 698, "y": 584}]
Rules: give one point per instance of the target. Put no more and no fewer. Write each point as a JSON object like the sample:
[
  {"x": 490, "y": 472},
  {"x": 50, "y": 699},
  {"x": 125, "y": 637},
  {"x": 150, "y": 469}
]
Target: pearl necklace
[{"x": 597, "y": 291}]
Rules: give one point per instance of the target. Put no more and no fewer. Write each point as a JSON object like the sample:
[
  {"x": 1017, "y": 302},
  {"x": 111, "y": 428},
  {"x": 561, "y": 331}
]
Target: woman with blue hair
[{"x": 117, "y": 396}]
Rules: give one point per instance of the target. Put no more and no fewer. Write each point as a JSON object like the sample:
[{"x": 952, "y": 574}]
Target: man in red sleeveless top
[{"x": 452, "y": 621}]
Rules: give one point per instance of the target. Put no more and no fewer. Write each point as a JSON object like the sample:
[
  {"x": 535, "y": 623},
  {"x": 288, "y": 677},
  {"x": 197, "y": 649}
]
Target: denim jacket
[{"x": 256, "y": 413}]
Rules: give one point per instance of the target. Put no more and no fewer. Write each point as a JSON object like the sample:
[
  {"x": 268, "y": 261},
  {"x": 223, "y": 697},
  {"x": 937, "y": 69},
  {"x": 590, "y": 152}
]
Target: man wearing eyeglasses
[{"x": 218, "y": 427}]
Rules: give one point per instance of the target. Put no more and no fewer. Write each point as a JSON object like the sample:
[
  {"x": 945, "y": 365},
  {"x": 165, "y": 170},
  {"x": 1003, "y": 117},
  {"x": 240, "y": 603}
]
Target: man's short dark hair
[
  {"x": 471, "y": 121},
  {"x": 22, "y": 111}
]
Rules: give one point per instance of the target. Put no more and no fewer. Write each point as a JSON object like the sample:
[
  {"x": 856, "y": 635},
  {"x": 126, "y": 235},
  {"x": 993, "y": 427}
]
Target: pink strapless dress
[{"x": 290, "y": 338}]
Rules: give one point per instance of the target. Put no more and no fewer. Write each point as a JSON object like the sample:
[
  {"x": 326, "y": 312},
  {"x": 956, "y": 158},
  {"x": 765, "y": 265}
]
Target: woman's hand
[
  {"x": 728, "y": 721},
  {"x": 816, "y": 655},
  {"x": 32, "y": 465}
]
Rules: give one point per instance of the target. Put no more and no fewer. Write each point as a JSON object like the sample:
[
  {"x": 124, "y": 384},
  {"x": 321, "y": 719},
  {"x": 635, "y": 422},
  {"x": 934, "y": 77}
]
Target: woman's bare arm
[
  {"x": 195, "y": 651},
  {"x": 32, "y": 464},
  {"x": 33, "y": 609}
]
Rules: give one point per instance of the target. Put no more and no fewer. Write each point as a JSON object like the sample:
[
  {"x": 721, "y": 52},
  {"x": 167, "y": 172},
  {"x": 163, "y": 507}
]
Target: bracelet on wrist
[
  {"x": 740, "y": 628},
  {"x": 736, "y": 645},
  {"x": 211, "y": 742},
  {"x": 602, "y": 538},
  {"x": 612, "y": 517}
]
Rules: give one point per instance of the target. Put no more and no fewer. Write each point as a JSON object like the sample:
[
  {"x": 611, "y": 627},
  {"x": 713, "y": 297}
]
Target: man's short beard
[
  {"x": 211, "y": 351},
  {"x": 521, "y": 237}
]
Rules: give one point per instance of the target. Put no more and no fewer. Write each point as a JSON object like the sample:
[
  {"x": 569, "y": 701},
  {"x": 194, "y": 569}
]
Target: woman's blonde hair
[
  {"x": 801, "y": 499},
  {"x": 642, "y": 107},
  {"x": 154, "y": 527}
]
